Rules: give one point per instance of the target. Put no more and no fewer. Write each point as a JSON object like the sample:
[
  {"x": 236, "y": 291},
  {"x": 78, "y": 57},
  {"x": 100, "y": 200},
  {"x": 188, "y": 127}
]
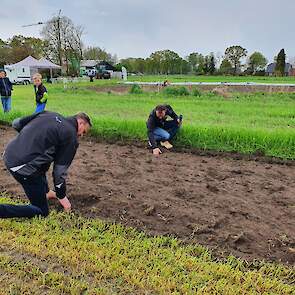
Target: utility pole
[
  {"x": 58, "y": 25},
  {"x": 59, "y": 38}
]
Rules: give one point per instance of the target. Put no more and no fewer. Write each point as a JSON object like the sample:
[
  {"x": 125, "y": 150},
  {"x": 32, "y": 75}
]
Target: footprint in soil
[{"x": 212, "y": 188}]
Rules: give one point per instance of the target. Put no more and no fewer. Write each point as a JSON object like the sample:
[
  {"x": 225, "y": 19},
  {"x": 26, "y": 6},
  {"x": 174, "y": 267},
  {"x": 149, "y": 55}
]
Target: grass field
[
  {"x": 194, "y": 78},
  {"x": 245, "y": 123},
  {"x": 67, "y": 254}
]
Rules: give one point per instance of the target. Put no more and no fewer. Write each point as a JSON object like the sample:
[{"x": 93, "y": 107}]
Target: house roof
[
  {"x": 271, "y": 67},
  {"x": 107, "y": 65},
  {"x": 89, "y": 63}
]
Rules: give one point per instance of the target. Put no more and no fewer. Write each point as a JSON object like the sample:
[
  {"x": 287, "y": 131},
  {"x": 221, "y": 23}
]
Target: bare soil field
[
  {"x": 236, "y": 206},
  {"x": 122, "y": 89}
]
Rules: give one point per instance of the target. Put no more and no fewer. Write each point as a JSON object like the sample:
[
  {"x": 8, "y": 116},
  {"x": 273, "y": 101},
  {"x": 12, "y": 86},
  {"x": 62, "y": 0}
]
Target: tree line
[{"x": 62, "y": 43}]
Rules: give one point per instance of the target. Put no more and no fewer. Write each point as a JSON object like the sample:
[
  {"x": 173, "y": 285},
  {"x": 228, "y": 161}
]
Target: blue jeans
[
  {"x": 36, "y": 189},
  {"x": 40, "y": 107},
  {"x": 168, "y": 131},
  {"x": 6, "y": 103}
]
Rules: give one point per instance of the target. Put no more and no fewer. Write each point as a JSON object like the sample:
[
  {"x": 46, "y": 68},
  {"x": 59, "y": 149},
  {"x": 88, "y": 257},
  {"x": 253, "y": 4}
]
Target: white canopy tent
[
  {"x": 34, "y": 64},
  {"x": 47, "y": 64}
]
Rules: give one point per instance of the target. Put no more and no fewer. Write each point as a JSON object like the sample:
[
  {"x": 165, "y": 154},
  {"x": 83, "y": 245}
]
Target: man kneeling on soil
[
  {"x": 160, "y": 130},
  {"x": 43, "y": 138}
]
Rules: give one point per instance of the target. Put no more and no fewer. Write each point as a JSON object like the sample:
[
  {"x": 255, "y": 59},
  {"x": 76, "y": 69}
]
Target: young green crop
[{"x": 68, "y": 254}]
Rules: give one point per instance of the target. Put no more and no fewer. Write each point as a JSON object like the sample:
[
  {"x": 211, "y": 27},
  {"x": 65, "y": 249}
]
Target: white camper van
[{"x": 18, "y": 75}]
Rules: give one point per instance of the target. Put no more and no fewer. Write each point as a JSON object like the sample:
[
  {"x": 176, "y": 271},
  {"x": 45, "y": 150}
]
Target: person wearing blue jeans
[
  {"x": 5, "y": 91},
  {"x": 6, "y": 103},
  {"x": 40, "y": 93},
  {"x": 160, "y": 130}
]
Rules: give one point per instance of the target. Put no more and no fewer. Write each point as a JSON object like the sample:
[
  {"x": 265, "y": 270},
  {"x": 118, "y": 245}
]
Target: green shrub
[
  {"x": 135, "y": 89},
  {"x": 196, "y": 92},
  {"x": 176, "y": 91}
]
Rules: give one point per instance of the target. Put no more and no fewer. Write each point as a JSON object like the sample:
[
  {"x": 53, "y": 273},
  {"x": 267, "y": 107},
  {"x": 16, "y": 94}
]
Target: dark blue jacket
[
  {"x": 43, "y": 138},
  {"x": 5, "y": 87},
  {"x": 153, "y": 122}
]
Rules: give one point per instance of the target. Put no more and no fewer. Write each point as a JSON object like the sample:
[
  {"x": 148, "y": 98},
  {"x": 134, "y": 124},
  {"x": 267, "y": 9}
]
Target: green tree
[
  {"x": 256, "y": 62},
  {"x": 212, "y": 64},
  {"x": 234, "y": 54},
  {"x": 281, "y": 63},
  {"x": 195, "y": 59},
  {"x": 166, "y": 62},
  {"x": 97, "y": 53},
  {"x": 226, "y": 67},
  {"x": 18, "y": 47}
]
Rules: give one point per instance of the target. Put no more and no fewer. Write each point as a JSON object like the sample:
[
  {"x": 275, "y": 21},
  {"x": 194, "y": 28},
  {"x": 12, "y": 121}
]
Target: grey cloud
[{"x": 139, "y": 27}]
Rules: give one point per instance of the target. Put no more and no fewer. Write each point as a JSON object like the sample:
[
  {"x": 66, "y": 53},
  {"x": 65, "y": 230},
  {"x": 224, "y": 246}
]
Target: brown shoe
[{"x": 167, "y": 145}]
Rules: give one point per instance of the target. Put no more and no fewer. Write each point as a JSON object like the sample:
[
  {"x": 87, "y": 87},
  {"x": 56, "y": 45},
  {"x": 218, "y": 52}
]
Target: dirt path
[{"x": 241, "y": 207}]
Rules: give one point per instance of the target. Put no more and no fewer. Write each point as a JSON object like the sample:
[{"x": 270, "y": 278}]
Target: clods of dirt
[{"x": 237, "y": 206}]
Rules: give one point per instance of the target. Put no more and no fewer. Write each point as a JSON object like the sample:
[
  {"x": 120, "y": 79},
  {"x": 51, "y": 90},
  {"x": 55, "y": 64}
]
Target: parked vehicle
[
  {"x": 103, "y": 75},
  {"x": 18, "y": 75},
  {"x": 91, "y": 72}
]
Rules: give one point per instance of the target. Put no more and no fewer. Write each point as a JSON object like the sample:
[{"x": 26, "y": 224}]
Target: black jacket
[
  {"x": 153, "y": 122},
  {"x": 40, "y": 92},
  {"x": 5, "y": 87},
  {"x": 43, "y": 138}
]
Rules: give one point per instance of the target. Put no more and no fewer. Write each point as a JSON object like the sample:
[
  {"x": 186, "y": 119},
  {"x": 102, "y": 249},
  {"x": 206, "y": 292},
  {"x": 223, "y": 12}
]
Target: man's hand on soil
[
  {"x": 51, "y": 195},
  {"x": 66, "y": 204},
  {"x": 157, "y": 151}
]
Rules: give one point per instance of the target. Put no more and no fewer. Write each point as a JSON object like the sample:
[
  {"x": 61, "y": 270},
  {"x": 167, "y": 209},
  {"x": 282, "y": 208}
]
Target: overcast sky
[{"x": 138, "y": 27}]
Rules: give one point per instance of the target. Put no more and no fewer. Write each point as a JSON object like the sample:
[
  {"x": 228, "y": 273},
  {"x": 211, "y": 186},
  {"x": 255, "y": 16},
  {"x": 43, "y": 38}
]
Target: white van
[{"x": 18, "y": 75}]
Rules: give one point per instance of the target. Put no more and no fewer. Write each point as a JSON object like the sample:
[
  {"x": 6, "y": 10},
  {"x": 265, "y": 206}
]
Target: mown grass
[
  {"x": 68, "y": 254},
  {"x": 244, "y": 123},
  {"x": 202, "y": 78}
]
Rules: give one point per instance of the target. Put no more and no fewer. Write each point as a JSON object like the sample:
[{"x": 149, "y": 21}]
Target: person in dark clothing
[
  {"x": 5, "y": 91},
  {"x": 43, "y": 138},
  {"x": 40, "y": 93},
  {"x": 161, "y": 130}
]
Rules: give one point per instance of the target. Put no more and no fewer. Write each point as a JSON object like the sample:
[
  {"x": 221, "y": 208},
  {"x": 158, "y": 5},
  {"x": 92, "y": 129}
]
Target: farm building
[
  {"x": 87, "y": 64},
  {"x": 98, "y": 65},
  {"x": 270, "y": 70}
]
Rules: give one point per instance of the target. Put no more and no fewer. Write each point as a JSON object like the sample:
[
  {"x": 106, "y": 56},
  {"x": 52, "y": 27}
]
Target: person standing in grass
[
  {"x": 5, "y": 91},
  {"x": 40, "y": 93},
  {"x": 160, "y": 130},
  {"x": 43, "y": 138}
]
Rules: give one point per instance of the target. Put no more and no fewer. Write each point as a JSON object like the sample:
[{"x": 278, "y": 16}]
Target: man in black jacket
[
  {"x": 5, "y": 91},
  {"x": 161, "y": 130},
  {"x": 43, "y": 138}
]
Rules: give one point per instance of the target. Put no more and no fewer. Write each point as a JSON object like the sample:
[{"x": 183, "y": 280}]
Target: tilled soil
[
  {"x": 121, "y": 89},
  {"x": 242, "y": 207}
]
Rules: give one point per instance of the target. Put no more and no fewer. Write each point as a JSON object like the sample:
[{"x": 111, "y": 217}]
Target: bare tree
[{"x": 64, "y": 39}]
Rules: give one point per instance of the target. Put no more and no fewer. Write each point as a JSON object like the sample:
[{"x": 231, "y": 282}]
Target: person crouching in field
[
  {"x": 5, "y": 91},
  {"x": 161, "y": 130},
  {"x": 40, "y": 93},
  {"x": 43, "y": 138}
]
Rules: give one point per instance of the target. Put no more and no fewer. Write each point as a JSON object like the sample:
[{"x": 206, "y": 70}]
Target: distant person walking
[
  {"x": 5, "y": 91},
  {"x": 40, "y": 93},
  {"x": 43, "y": 138}
]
